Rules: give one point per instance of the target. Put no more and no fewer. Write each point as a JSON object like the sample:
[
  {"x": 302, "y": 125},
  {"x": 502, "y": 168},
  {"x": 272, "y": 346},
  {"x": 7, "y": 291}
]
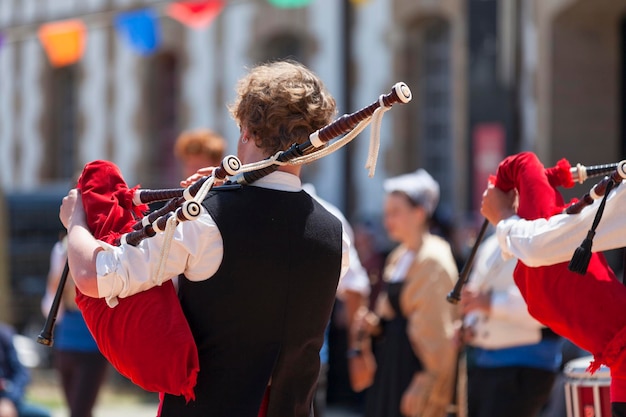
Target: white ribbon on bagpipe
[
  {"x": 374, "y": 146},
  {"x": 170, "y": 227}
]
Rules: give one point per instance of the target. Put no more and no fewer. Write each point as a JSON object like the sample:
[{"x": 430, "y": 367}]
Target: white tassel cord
[
  {"x": 170, "y": 227},
  {"x": 377, "y": 119}
]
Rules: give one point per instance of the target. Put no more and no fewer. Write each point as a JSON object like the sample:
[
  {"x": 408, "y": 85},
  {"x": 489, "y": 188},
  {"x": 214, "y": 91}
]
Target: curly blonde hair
[{"x": 282, "y": 103}]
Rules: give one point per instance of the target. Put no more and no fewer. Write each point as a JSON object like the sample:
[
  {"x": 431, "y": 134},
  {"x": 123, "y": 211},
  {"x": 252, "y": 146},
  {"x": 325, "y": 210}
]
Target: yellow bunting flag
[{"x": 64, "y": 41}]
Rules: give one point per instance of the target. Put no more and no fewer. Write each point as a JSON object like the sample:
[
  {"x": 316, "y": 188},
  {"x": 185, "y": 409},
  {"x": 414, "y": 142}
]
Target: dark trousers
[
  {"x": 319, "y": 403},
  {"x": 82, "y": 375},
  {"x": 618, "y": 409},
  {"x": 507, "y": 391}
]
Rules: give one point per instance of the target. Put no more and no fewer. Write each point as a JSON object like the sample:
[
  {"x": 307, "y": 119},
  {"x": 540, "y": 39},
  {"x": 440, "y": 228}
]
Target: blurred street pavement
[
  {"x": 144, "y": 410},
  {"x": 118, "y": 398}
]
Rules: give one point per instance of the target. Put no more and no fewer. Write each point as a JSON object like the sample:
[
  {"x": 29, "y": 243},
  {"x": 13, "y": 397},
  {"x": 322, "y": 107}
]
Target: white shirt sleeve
[
  {"x": 492, "y": 274},
  {"x": 546, "y": 242},
  {"x": 353, "y": 275},
  {"x": 195, "y": 250},
  {"x": 508, "y": 322},
  {"x": 58, "y": 257},
  {"x": 509, "y": 305}
]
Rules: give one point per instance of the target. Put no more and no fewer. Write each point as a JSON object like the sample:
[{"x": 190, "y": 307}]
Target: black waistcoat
[{"x": 264, "y": 312}]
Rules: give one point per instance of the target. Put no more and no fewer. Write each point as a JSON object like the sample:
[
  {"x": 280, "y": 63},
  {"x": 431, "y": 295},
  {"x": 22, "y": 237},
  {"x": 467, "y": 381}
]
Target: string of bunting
[{"x": 64, "y": 41}]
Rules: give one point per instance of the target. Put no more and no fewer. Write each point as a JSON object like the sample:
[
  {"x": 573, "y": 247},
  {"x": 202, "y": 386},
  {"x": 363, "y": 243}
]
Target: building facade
[{"x": 118, "y": 105}]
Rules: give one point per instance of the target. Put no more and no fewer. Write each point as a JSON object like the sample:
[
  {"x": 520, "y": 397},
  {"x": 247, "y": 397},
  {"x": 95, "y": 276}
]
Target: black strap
[
  {"x": 548, "y": 333},
  {"x": 582, "y": 255}
]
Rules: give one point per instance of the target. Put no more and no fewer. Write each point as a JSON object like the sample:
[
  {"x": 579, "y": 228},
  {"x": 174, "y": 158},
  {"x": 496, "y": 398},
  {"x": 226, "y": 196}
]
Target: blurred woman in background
[{"x": 412, "y": 325}]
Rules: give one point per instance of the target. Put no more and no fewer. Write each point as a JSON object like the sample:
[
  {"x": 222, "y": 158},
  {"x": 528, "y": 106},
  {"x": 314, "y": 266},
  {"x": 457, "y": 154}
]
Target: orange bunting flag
[
  {"x": 64, "y": 41},
  {"x": 195, "y": 14}
]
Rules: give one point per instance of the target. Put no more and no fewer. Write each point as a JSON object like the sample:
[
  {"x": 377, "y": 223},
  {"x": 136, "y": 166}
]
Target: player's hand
[
  {"x": 202, "y": 172},
  {"x": 71, "y": 210},
  {"x": 498, "y": 205}
]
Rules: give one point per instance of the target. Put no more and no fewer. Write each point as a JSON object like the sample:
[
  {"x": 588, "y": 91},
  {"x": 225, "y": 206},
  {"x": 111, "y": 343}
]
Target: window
[
  {"x": 282, "y": 46},
  {"x": 429, "y": 62},
  {"x": 61, "y": 145},
  {"x": 162, "y": 96}
]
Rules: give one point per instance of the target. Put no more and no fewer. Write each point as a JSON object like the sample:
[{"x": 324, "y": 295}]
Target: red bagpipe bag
[
  {"x": 586, "y": 309},
  {"x": 146, "y": 336}
]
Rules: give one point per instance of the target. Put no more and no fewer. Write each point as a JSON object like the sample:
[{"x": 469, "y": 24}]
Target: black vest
[{"x": 264, "y": 312}]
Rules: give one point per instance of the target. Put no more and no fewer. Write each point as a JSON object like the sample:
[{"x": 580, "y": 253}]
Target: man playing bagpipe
[
  {"x": 258, "y": 268},
  {"x": 577, "y": 296}
]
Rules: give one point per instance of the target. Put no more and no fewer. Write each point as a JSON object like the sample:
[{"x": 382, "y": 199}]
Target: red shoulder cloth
[{"x": 146, "y": 336}]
